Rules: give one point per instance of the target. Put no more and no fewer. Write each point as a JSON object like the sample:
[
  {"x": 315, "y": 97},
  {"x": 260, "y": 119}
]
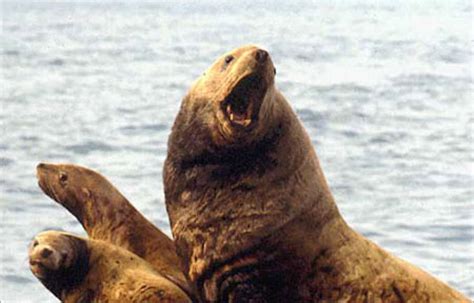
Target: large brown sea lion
[
  {"x": 75, "y": 269},
  {"x": 107, "y": 215},
  {"x": 252, "y": 215}
]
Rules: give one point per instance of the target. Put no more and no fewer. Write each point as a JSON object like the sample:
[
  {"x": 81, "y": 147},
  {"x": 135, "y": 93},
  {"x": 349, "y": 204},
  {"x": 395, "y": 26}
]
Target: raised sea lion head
[
  {"x": 72, "y": 185},
  {"x": 228, "y": 105},
  {"x": 58, "y": 260}
]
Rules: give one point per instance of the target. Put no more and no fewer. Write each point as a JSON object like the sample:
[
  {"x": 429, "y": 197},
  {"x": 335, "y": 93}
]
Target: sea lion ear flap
[{"x": 86, "y": 194}]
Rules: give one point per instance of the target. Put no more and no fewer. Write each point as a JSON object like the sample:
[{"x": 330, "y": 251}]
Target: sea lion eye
[
  {"x": 228, "y": 59},
  {"x": 62, "y": 177}
]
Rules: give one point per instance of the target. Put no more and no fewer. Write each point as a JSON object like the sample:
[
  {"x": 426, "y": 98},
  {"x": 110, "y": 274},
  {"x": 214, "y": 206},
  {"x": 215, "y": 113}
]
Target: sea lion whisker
[{"x": 55, "y": 196}]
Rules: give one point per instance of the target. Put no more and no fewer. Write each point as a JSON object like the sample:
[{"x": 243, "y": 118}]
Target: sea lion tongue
[{"x": 239, "y": 112}]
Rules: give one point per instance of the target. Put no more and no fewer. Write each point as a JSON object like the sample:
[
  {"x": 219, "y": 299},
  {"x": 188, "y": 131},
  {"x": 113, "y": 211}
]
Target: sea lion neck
[
  {"x": 241, "y": 159},
  {"x": 213, "y": 196},
  {"x": 78, "y": 271},
  {"x": 87, "y": 195},
  {"x": 96, "y": 212}
]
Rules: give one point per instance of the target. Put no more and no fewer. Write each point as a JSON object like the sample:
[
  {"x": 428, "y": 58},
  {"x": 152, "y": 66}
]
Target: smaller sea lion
[
  {"x": 75, "y": 269},
  {"x": 107, "y": 215}
]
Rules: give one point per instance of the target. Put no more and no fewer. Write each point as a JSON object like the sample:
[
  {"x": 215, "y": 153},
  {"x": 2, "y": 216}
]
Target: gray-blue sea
[{"x": 384, "y": 89}]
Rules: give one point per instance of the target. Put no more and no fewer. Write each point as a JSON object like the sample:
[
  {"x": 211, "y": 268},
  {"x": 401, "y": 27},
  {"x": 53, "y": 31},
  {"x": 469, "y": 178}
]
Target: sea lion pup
[
  {"x": 75, "y": 269},
  {"x": 107, "y": 215},
  {"x": 251, "y": 213}
]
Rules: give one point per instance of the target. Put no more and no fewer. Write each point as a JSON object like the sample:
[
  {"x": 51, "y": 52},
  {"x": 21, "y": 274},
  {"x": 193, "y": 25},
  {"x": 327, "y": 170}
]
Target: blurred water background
[{"x": 383, "y": 87}]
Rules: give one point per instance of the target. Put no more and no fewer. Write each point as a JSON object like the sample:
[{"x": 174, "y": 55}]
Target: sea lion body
[
  {"x": 75, "y": 269},
  {"x": 107, "y": 215},
  {"x": 251, "y": 212}
]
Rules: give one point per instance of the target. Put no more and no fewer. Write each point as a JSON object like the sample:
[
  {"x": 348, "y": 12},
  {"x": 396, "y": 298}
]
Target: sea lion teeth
[
  {"x": 244, "y": 123},
  {"x": 240, "y": 119},
  {"x": 259, "y": 222}
]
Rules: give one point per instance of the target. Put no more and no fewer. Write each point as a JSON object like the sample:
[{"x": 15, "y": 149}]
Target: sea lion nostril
[
  {"x": 261, "y": 55},
  {"x": 46, "y": 252}
]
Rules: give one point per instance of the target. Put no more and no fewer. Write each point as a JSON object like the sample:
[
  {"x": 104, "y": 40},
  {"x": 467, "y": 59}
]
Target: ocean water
[{"x": 384, "y": 89}]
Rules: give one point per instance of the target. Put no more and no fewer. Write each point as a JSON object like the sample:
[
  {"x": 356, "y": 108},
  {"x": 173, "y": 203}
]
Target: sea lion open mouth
[{"x": 241, "y": 105}]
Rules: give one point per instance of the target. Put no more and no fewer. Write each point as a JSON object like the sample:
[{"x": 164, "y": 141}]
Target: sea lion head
[
  {"x": 50, "y": 252},
  {"x": 72, "y": 186},
  {"x": 228, "y": 105},
  {"x": 59, "y": 260}
]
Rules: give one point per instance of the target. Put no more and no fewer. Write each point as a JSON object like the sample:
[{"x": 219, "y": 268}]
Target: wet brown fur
[
  {"x": 107, "y": 215},
  {"x": 252, "y": 215},
  {"x": 97, "y": 271}
]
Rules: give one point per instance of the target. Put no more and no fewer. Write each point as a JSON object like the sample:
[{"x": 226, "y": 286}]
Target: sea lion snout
[
  {"x": 42, "y": 170},
  {"x": 43, "y": 257},
  {"x": 40, "y": 254}
]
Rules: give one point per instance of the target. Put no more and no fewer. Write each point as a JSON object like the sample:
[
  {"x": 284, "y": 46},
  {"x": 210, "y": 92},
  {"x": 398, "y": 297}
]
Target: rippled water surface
[{"x": 384, "y": 90}]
